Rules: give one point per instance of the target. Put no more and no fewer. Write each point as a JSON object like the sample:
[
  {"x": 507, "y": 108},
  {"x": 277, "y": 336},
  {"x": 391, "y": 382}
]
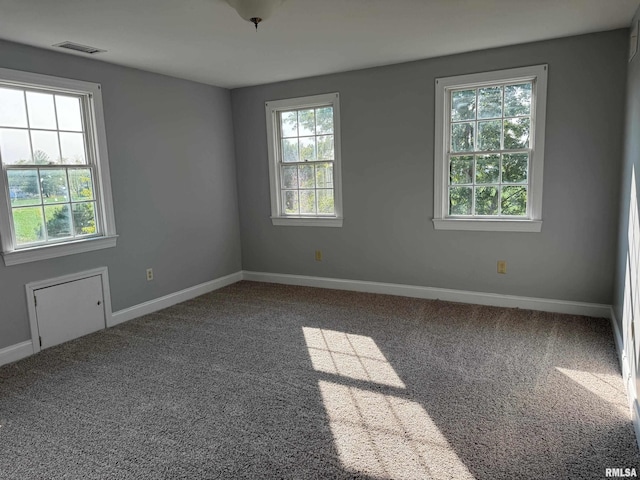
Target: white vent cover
[{"x": 79, "y": 48}]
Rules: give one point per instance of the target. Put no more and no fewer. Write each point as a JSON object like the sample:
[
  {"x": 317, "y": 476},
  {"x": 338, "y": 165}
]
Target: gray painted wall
[
  {"x": 387, "y": 117},
  {"x": 173, "y": 178},
  {"x": 178, "y": 193},
  {"x": 630, "y": 162}
]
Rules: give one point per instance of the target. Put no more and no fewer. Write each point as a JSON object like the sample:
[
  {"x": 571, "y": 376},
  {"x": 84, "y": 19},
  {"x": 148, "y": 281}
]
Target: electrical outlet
[
  {"x": 318, "y": 255},
  {"x": 149, "y": 274},
  {"x": 502, "y": 266}
]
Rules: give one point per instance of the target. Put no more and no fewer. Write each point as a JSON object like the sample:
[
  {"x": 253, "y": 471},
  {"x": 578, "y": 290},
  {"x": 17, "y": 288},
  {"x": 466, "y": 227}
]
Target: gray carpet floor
[{"x": 267, "y": 381}]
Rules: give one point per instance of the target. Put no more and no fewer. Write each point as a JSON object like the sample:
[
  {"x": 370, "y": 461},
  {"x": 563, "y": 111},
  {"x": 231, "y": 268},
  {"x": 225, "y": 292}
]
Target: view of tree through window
[
  {"x": 489, "y": 145},
  {"x": 49, "y": 178},
  {"x": 307, "y": 161}
]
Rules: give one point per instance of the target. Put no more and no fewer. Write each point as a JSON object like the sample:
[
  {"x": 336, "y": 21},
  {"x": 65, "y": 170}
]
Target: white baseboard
[
  {"x": 622, "y": 354},
  {"x": 431, "y": 293},
  {"x": 16, "y": 352},
  {"x": 627, "y": 376},
  {"x": 171, "y": 299},
  {"x": 22, "y": 350}
]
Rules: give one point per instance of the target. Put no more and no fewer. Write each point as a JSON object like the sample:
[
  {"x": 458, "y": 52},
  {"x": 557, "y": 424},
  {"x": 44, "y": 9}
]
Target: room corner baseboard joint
[
  {"x": 171, "y": 299},
  {"x": 16, "y": 352}
]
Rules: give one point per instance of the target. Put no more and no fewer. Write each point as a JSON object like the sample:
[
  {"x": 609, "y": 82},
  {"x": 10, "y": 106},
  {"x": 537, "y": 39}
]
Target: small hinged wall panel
[
  {"x": 68, "y": 307},
  {"x": 70, "y": 310}
]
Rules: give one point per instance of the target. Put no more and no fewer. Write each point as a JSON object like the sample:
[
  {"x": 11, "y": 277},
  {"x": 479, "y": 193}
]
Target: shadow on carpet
[{"x": 268, "y": 381}]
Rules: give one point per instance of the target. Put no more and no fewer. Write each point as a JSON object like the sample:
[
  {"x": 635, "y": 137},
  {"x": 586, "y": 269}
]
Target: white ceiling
[{"x": 206, "y": 41}]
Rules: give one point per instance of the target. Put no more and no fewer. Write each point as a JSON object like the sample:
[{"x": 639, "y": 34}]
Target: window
[
  {"x": 489, "y": 150},
  {"x": 304, "y": 161},
  {"x": 55, "y": 174}
]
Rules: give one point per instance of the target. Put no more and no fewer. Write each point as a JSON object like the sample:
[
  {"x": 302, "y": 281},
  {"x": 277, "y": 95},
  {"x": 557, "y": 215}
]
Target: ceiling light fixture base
[{"x": 255, "y": 11}]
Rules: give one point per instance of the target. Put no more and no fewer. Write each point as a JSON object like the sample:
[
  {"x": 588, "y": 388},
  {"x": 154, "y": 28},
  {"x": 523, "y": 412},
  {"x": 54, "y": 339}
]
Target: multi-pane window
[
  {"x": 489, "y": 156},
  {"x": 49, "y": 151},
  {"x": 489, "y": 150},
  {"x": 308, "y": 153},
  {"x": 304, "y": 159},
  {"x": 42, "y": 147}
]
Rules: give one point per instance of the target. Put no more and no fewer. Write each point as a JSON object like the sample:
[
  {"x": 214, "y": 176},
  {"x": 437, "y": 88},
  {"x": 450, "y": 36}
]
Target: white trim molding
[
  {"x": 44, "y": 252},
  {"x": 622, "y": 353},
  {"x": 432, "y": 293},
  {"x": 442, "y": 220},
  {"x": 274, "y": 151},
  {"x": 24, "y": 349},
  {"x": 172, "y": 299},
  {"x": 488, "y": 225},
  {"x": 627, "y": 375},
  {"x": 16, "y": 352},
  {"x": 306, "y": 222},
  {"x": 90, "y": 96}
]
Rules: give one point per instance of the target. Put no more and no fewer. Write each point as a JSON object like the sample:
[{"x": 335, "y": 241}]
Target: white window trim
[
  {"x": 271, "y": 109},
  {"x": 441, "y": 220},
  {"x": 13, "y": 256}
]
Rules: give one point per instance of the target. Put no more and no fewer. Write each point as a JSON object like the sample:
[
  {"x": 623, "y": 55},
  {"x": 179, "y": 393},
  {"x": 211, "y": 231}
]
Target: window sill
[
  {"x": 307, "y": 221},
  {"x": 45, "y": 252},
  {"x": 488, "y": 225}
]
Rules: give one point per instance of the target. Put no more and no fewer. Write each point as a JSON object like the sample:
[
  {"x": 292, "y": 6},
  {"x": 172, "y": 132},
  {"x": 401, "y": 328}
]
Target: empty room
[{"x": 309, "y": 239}]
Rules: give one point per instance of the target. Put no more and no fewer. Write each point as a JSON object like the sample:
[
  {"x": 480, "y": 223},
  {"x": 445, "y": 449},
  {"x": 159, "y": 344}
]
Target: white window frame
[
  {"x": 272, "y": 108},
  {"x": 97, "y": 142},
  {"x": 443, "y": 87}
]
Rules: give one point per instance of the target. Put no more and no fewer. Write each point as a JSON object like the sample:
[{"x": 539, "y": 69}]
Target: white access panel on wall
[
  {"x": 69, "y": 307},
  {"x": 69, "y": 310}
]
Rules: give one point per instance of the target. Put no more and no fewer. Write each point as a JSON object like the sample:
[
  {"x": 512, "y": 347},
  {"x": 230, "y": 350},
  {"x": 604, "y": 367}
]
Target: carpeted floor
[{"x": 267, "y": 381}]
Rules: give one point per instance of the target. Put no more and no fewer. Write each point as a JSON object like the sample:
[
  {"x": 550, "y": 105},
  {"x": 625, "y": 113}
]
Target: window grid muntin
[
  {"x": 282, "y": 164},
  {"x": 477, "y": 120},
  {"x": 475, "y": 152},
  {"x": 284, "y": 189},
  {"x": 474, "y": 184},
  {"x": 70, "y": 203},
  {"x": 84, "y": 114},
  {"x": 90, "y": 154},
  {"x": 58, "y": 132}
]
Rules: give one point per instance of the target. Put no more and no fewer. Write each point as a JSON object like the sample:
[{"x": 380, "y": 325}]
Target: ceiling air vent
[{"x": 79, "y": 48}]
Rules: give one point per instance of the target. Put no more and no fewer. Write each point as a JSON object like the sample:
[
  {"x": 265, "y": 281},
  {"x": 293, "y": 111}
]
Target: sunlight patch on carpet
[
  {"x": 377, "y": 434},
  {"x": 607, "y": 387},
  {"x": 349, "y": 355}
]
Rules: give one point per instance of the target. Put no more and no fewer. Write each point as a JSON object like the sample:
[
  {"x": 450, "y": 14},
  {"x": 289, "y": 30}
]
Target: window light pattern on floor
[
  {"x": 349, "y": 355},
  {"x": 606, "y": 386},
  {"x": 382, "y": 435}
]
